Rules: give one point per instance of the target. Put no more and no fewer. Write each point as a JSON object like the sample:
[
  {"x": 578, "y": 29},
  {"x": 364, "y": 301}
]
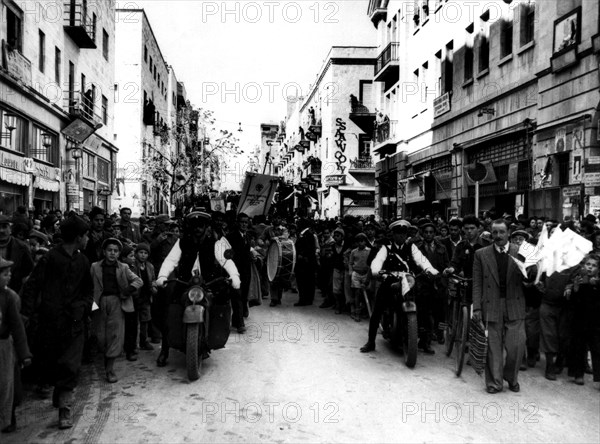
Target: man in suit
[
  {"x": 242, "y": 258},
  {"x": 306, "y": 264},
  {"x": 499, "y": 301}
]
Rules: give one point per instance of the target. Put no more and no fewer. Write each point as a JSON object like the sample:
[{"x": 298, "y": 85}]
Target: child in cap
[
  {"x": 12, "y": 340},
  {"x": 114, "y": 286},
  {"x": 145, "y": 270}
]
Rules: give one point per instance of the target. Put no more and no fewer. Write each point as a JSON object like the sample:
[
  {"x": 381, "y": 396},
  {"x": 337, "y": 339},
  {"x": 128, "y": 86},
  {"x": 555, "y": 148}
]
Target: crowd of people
[{"x": 76, "y": 286}]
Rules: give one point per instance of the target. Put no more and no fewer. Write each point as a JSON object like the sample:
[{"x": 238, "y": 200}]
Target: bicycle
[{"x": 457, "y": 326}]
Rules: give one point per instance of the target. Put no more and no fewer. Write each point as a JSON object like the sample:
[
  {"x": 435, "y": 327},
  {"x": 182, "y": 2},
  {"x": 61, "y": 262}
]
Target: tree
[{"x": 178, "y": 159}]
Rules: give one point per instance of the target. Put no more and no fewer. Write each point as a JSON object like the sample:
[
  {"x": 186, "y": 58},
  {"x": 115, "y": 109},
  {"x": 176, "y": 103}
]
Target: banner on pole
[{"x": 257, "y": 194}]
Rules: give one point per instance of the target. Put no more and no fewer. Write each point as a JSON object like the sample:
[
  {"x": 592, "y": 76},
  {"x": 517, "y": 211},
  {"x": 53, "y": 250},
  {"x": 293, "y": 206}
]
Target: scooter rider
[
  {"x": 399, "y": 256},
  {"x": 195, "y": 251}
]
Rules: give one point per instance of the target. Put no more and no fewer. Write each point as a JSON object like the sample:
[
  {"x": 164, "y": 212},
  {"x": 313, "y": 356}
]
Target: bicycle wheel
[
  {"x": 461, "y": 339},
  {"x": 450, "y": 330}
]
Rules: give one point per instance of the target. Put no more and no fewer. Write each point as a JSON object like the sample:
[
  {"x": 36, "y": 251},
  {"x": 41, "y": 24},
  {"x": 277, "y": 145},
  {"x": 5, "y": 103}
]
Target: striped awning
[
  {"x": 46, "y": 184},
  {"x": 15, "y": 177}
]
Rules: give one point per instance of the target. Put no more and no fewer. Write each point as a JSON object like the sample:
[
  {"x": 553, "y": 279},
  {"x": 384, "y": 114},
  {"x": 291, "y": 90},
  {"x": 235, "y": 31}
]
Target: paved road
[{"x": 297, "y": 376}]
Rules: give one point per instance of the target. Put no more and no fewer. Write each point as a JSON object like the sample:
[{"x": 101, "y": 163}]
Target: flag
[
  {"x": 257, "y": 194},
  {"x": 217, "y": 204}
]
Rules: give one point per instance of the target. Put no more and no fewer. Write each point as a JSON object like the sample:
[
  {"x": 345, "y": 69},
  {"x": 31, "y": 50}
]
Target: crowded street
[{"x": 297, "y": 376}]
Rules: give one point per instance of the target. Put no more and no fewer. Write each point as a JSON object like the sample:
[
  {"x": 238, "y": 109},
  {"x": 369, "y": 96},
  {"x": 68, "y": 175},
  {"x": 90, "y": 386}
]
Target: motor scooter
[
  {"x": 399, "y": 319},
  {"x": 199, "y": 319}
]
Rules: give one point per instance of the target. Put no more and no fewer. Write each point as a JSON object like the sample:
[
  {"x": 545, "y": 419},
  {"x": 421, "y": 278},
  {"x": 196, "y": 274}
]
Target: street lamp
[
  {"x": 10, "y": 123},
  {"x": 46, "y": 140}
]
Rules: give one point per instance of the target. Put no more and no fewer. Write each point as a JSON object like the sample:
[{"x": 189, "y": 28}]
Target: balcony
[
  {"x": 362, "y": 164},
  {"x": 387, "y": 68},
  {"x": 81, "y": 106},
  {"x": 361, "y": 115},
  {"x": 377, "y": 12},
  {"x": 384, "y": 136},
  {"x": 79, "y": 25}
]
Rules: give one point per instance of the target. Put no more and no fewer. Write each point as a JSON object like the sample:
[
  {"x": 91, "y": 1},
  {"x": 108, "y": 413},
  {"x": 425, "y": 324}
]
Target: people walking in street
[
  {"x": 59, "y": 291},
  {"x": 359, "y": 271},
  {"x": 142, "y": 303},
  {"x": 114, "y": 287},
  {"x": 498, "y": 301},
  {"x": 16, "y": 251},
  {"x": 14, "y": 350},
  {"x": 306, "y": 264}
]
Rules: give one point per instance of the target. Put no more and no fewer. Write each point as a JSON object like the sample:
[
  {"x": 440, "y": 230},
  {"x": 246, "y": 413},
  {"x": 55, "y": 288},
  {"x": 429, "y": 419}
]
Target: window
[
  {"x": 88, "y": 165},
  {"x": 105, "y": 44},
  {"x": 93, "y": 26},
  {"x": 527, "y": 22},
  {"x": 506, "y": 37},
  {"x": 469, "y": 53},
  {"x": 57, "y": 65},
  {"x": 150, "y": 64},
  {"x": 484, "y": 42},
  {"x": 448, "y": 68},
  {"x": 41, "y": 152},
  {"x": 42, "y": 49},
  {"x": 71, "y": 85},
  {"x": 14, "y": 27},
  {"x": 102, "y": 170},
  {"x": 18, "y": 139},
  {"x": 104, "y": 110},
  {"x": 145, "y": 54}
]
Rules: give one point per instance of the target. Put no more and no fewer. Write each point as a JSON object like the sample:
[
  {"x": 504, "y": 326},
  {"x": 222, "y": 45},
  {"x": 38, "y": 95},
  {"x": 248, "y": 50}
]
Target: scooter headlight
[{"x": 196, "y": 294}]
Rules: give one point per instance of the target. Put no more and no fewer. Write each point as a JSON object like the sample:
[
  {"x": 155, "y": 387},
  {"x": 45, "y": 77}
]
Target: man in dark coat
[
  {"x": 306, "y": 264},
  {"x": 129, "y": 230},
  {"x": 63, "y": 282},
  {"x": 499, "y": 301},
  {"x": 16, "y": 251},
  {"x": 97, "y": 235},
  {"x": 242, "y": 258}
]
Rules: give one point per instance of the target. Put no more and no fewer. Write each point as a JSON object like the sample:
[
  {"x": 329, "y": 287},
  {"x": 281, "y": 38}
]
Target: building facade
[
  {"x": 57, "y": 106},
  {"x": 504, "y": 89},
  {"x": 145, "y": 112}
]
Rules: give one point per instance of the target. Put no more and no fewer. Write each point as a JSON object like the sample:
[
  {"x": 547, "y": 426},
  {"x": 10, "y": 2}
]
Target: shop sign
[
  {"x": 88, "y": 184},
  {"x": 595, "y": 205},
  {"x": 441, "y": 105},
  {"x": 104, "y": 192},
  {"x": 593, "y": 160},
  {"x": 9, "y": 160},
  {"x": 591, "y": 179},
  {"x": 415, "y": 191},
  {"x": 335, "y": 180},
  {"x": 571, "y": 191},
  {"x": 513, "y": 175},
  {"x": 17, "y": 65},
  {"x": 28, "y": 165},
  {"x": 577, "y": 154},
  {"x": 72, "y": 189}
]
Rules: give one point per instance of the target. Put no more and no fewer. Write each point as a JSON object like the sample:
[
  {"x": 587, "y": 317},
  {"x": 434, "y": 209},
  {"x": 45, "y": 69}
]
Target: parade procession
[{"x": 337, "y": 221}]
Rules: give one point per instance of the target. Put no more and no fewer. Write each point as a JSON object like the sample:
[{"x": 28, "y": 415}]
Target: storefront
[
  {"x": 389, "y": 198},
  {"x": 508, "y": 182},
  {"x": 428, "y": 191},
  {"x": 357, "y": 201},
  {"x": 565, "y": 173}
]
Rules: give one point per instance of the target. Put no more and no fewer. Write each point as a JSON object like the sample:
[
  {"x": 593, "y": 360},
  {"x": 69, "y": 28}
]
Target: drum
[{"x": 281, "y": 260}]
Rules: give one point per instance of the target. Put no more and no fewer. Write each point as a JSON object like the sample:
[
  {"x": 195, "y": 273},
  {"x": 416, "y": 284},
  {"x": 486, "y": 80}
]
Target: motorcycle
[
  {"x": 399, "y": 320},
  {"x": 199, "y": 320}
]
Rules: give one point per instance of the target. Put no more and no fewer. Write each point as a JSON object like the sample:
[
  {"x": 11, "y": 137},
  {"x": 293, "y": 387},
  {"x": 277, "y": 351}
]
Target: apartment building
[{"x": 56, "y": 104}]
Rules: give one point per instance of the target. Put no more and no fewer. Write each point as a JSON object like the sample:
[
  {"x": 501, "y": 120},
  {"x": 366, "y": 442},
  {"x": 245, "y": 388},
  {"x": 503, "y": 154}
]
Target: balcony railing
[
  {"x": 362, "y": 163},
  {"x": 80, "y": 105},
  {"x": 357, "y": 107},
  {"x": 80, "y": 26},
  {"x": 389, "y": 54},
  {"x": 385, "y": 131}
]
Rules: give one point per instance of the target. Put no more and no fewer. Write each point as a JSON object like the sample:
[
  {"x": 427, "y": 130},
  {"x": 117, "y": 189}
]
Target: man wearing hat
[
  {"x": 432, "y": 293},
  {"x": 399, "y": 256},
  {"x": 195, "y": 251},
  {"x": 16, "y": 251},
  {"x": 59, "y": 290},
  {"x": 97, "y": 235}
]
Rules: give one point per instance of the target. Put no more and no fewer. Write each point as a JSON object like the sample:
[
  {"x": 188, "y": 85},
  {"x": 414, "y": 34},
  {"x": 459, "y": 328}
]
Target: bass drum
[{"x": 281, "y": 260}]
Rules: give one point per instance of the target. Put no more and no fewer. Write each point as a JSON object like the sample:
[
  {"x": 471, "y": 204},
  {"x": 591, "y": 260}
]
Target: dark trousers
[
  {"x": 131, "y": 329},
  {"x": 305, "y": 278},
  {"x": 585, "y": 336},
  {"x": 382, "y": 301},
  {"x": 532, "y": 329},
  {"x": 239, "y": 302},
  {"x": 554, "y": 329},
  {"x": 326, "y": 283}
]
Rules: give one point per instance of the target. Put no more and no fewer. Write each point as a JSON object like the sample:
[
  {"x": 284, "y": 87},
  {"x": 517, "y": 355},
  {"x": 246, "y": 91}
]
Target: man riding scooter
[
  {"x": 193, "y": 253},
  {"x": 399, "y": 256}
]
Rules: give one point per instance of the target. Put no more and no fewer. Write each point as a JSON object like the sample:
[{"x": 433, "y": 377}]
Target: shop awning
[
  {"x": 15, "y": 177},
  {"x": 352, "y": 188},
  {"x": 45, "y": 184},
  {"x": 359, "y": 211}
]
